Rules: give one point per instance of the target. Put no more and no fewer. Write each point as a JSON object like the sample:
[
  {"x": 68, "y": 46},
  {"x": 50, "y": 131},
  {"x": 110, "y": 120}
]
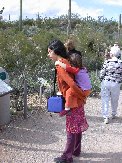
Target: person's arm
[
  {"x": 70, "y": 82},
  {"x": 71, "y": 69},
  {"x": 121, "y": 72},
  {"x": 103, "y": 70}
]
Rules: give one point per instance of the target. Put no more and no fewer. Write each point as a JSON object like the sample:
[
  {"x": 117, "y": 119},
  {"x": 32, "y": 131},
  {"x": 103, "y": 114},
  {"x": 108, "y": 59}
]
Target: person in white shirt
[{"x": 111, "y": 77}]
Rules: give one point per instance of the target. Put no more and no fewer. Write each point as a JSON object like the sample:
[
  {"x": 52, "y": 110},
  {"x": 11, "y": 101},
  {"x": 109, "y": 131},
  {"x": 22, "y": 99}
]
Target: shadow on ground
[
  {"x": 100, "y": 158},
  {"x": 39, "y": 129}
]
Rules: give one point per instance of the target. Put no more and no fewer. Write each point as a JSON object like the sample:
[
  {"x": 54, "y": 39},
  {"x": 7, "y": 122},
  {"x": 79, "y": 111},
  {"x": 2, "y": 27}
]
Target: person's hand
[
  {"x": 59, "y": 93},
  {"x": 61, "y": 64},
  {"x": 57, "y": 63}
]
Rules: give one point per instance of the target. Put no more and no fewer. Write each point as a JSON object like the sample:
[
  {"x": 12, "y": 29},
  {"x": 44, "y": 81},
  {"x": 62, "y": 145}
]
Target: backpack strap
[{"x": 54, "y": 84}]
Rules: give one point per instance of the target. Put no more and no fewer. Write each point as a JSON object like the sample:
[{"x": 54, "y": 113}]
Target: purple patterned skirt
[{"x": 76, "y": 122}]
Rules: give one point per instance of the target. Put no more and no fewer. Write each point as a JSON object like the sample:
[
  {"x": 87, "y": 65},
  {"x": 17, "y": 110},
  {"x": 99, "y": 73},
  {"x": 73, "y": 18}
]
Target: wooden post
[
  {"x": 25, "y": 99},
  {"x": 69, "y": 19},
  {"x": 119, "y": 27},
  {"x": 9, "y": 17},
  {"x": 40, "y": 96},
  {"x": 20, "y": 19},
  {"x": 38, "y": 16}
]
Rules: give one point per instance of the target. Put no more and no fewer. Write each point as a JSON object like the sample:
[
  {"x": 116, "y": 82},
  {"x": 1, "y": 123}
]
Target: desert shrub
[{"x": 95, "y": 81}]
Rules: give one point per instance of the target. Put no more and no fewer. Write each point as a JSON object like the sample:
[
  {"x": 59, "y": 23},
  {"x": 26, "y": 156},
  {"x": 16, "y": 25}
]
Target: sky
[{"x": 54, "y": 8}]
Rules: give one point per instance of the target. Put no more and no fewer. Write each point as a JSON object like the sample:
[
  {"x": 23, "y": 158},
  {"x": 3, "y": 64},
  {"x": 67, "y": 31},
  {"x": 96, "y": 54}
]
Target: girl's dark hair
[
  {"x": 76, "y": 60},
  {"x": 58, "y": 47}
]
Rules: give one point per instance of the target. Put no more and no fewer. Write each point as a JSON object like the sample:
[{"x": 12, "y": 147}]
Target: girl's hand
[
  {"x": 60, "y": 64},
  {"x": 59, "y": 93},
  {"x": 57, "y": 63}
]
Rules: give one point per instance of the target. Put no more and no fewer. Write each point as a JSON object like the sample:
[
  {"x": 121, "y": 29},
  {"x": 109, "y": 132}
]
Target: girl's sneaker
[
  {"x": 64, "y": 112},
  {"x": 106, "y": 120}
]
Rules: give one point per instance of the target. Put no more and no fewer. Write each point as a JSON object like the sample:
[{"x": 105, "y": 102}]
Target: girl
[{"x": 81, "y": 77}]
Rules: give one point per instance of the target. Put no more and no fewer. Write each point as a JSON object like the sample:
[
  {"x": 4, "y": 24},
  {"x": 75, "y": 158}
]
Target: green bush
[
  {"x": 24, "y": 53},
  {"x": 95, "y": 81}
]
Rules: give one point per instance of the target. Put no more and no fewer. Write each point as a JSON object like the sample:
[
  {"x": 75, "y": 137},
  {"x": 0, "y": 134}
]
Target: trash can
[
  {"x": 5, "y": 98},
  {"x": 4, "y": 110},
  {"x": 4, "y": 75}
]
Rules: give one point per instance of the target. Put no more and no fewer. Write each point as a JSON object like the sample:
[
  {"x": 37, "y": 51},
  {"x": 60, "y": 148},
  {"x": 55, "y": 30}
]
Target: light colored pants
[{"x": 109, "y": 91}]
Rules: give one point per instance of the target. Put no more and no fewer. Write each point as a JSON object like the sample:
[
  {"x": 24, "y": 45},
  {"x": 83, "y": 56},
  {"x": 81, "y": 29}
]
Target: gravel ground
[{"x": 42, "y": 137}]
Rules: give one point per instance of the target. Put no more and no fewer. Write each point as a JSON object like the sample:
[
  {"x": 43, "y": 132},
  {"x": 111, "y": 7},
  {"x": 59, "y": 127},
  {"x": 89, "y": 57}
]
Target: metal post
[
  {"x": 69, "y": 19},
  {"x": 20, "y": 20}
]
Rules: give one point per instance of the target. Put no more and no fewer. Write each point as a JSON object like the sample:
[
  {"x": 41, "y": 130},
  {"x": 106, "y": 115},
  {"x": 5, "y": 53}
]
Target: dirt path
[{"x": 41, "y": 137}]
